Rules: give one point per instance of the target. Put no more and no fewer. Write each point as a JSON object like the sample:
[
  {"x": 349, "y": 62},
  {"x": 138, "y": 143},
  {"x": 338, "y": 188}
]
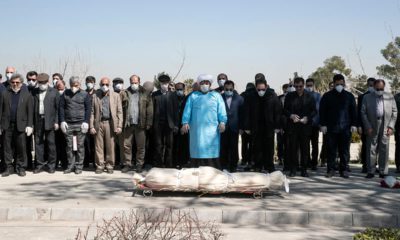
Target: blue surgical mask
[
  {"x": 229, "y": 93},
  {"x": 180, "y": 93}
]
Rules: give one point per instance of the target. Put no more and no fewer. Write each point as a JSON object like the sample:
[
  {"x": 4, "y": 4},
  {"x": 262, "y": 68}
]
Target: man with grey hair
[
  {"x": 74, "y": 115},
  {"x": 16, "y": 121}
]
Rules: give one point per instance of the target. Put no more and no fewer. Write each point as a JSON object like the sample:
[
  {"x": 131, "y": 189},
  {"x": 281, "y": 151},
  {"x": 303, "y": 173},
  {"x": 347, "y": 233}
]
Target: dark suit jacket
[
  {"x": 304, "y": 107},
  {"x": 24, "y": 110},
  {"x": 235, "y": 122},
  {"x": 172, "y": 109},
  {"x": 51, "y": 102},
  {"x": 359, "y": 104}
]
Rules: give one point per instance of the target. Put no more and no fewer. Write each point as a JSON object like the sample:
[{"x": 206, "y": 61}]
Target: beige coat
[{"x": 115, "y": 110}]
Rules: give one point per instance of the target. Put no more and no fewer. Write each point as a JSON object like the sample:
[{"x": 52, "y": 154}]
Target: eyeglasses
[
  {"x": 15, "y": 82},
  {"x": 260, "y": 90},
  {"x": 31, "y": 79},
  {"x": 105, "y": 84}
]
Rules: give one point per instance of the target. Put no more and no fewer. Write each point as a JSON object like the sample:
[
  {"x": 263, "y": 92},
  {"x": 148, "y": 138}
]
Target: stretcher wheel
[
  {"x": 147, "y": 193},
  {"x": 258, "y": 195}
]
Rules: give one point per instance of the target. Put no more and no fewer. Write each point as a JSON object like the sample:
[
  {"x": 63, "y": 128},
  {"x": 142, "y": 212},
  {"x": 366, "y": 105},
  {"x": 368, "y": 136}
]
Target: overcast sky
[{"x": 241, "y": 38}]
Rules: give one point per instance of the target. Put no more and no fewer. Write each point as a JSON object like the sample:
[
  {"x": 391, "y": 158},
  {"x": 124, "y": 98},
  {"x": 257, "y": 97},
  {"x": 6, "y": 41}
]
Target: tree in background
[
  {"x": 391, "y": 70},
  {"x": 188, "y": 85},
  {"x": 324, "y": 75}
]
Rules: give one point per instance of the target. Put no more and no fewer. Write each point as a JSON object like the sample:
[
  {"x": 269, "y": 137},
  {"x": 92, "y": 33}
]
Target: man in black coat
[
  {"x": 361, "y": 129},
  {"x": 262, "y": 115},
  {"x": 46, "y": 101},
  {"x": 299, "y": 110},
  {"x": 230, "y": 137},
  {"x": 16, "y": 119},
  {"x": 165, "y": 123},
  {"x": 338, "y": 118},
  {"x": 246, "y": 138}
]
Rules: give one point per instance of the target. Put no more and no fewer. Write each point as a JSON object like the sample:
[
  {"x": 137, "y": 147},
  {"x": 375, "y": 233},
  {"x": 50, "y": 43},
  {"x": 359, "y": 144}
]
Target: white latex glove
[
  {"x": 295, "y": 118},
  {"x": 304, "y": 120},
  {"x": 28, "y": 131},
  {"x": 93, "y": 131},
  {"x": 185, "y": 128},
  {"x": 360, "y": 131},
  {"x": 84, "y": 127},
  {"x": 221, "y": 127},
  {"x": 64, "y": 127},
  {"x": 247, "y": 132},
  {"x": 323, "y": 129},
  {"x": 277, "y": 131},
  {"x": 353, "y": 129},
  {"x": 56, "y": 127}
]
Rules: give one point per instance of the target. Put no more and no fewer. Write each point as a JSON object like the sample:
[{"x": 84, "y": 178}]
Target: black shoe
[
  {"x": 51, "y": 171},
  {"x": 110, "y": 171},
  {"x": 364, "y": 170},
  {"x": 99, "y": 171},
  {"x": 125, "y": 169},
  {"x": 398, "y": 170},
  {"x": 304, "y": 173},
  {"x": 21, "y": 173},
  {"x": 314, "y": 168},
  {"x": 344, "y": 174},
  {"x": 381, "y": 175},
  {"x": 292, "y": 173},
  {"x": 330, "y": 174},
  {"x": 37, "y": 170},
  {"x": 370, "y": 175},
  {"x": 78, "y": 171},
  {"x": 6, "y": 173},
  {"x": 68, "y": 171}
]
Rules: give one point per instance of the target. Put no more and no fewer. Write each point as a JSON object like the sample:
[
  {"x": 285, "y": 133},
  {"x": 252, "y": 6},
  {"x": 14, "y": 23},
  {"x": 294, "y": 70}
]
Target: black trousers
[
  {"x": 181, "y": 150},
  {"x": 229, "y": 150},
  {"x": 29, "y": 144},
  {"x": 45, "y": 140},
  {"x": 313, "y": 160},
  {"x": 89, "y": 150},
  {"x": 61, "y": 148},
  {"x": 205, "y": 162},
  {"x": 338, "y": 142},
  {"x": 14, "y": 142},
  {"x": 246, "y": 148},
  {"x": 163, "y": 143},
  {"x": 280, "y": 142},
  {"x": 397, "y": 150},
  {"x": 364, "y": 150},
  {"x": 263, "y": 150},
  {"x": 298, "y": 142}
]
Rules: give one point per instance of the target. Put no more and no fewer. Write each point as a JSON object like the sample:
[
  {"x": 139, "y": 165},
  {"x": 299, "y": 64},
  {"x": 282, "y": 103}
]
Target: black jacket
[
  {"x": 24, "y": 116},
  {"x": 303, "y": 106},
  {"x": 50, "y": 103},
  {"x": 171, "y": 111},
  {"x": 359, "y": 105},
  {"x": 234, "y": 119},
  {"x": 338, "y": 111},
  {"x": 272, "y": 110}
]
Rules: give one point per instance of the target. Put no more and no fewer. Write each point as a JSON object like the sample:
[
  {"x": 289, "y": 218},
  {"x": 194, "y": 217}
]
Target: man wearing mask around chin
[
  {"x": 361, "y": 128},
  {"x": 90, "y": 139},
  {"x": 45, "y": 118},
  {"x": 221, "y": 78},
  {"x": 165, "y": 123},
  {"x": 378, "y": 114},
  {"x": 338, "y": 119},
  {"x": 16, "y": 121},
  {"x": 138, "y": 117},
  {"x": 262, "y": 119},
  {"x": 105, "y": 122},
  {"x": 204, "y": 118},
  {"x": 230, "y": 138},
  {"x": 74, "y": 114}
]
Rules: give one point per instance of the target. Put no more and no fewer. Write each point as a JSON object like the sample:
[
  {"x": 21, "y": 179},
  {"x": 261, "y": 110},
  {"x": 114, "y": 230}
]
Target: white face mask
[
  {"x": 164, "y": 87},
  {"x": 31, "y": 83},
  {"x": 135, "y": 86},
  {"x": 379, "y": 93},
  {"x": 61, "y": 92},
  {"x": 9, "y": 75},
  {"x": 261, "y": 93},
  {"x": 74, "y": 89},
  {"x": 371, "y": 89},
  {"x": 89, "y": 86},
  {"x": 291, "y": 89},
  {"x": 104, "y": 88},
  {"x": 118, "y": 86},
  {"x": 310, "y": 89},
  {"x": 339, "y": 88},
  {"x": 180, "y": 93},
  {"x": 43, "y": 87},
  {"x": 55, "y": 82},
  {"x": 205, "y": 88},
  {"x": 221, "y": 82}
]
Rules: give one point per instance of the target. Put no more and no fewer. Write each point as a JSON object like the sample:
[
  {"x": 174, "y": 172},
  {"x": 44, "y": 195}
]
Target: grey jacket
[{"x": 368, "y": 111}]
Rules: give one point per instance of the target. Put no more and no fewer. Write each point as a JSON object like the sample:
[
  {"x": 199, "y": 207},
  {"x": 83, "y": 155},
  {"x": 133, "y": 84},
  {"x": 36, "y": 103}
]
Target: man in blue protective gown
[{"x": 204, "y": 117}]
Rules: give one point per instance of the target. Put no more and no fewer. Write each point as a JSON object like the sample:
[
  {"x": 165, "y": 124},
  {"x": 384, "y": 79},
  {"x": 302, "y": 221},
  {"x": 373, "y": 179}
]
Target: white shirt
[
  {"x": 42, "y": 95},
  {"x": 228, "y": 102}
]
